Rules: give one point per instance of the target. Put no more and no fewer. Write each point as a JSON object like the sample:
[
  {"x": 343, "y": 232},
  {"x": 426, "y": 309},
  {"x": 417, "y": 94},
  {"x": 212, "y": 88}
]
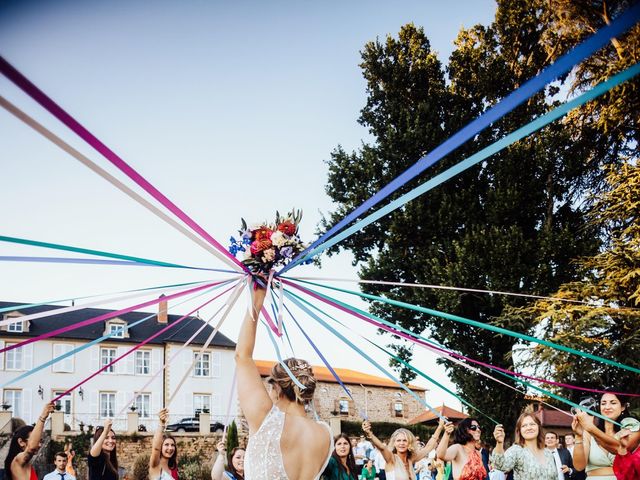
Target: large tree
[{"x": 513, "y": 223}]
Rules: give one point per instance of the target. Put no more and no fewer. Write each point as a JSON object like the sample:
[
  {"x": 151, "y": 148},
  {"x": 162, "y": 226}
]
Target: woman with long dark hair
[
  {"x": 590, "y": 450},
  {"x": 25, "y": 443},
  {"x": 527, "y": 457},
  {"x": 163, "y": 463},
  {"x": 342, "y": 464},
  {"x": 463, "y": 455},
  {"x": 102, "y": 460},
  {"x": 235, "y": 464}
]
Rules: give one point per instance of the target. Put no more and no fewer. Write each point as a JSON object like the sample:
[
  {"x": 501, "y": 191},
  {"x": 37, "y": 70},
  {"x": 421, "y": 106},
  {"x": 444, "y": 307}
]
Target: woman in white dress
[{"x": 283, "y": 442}]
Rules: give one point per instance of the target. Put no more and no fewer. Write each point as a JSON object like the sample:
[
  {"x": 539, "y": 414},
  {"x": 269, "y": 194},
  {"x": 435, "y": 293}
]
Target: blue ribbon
[
  {"x": 561, "y": 66},
  {"x": 495, "y": 147}
]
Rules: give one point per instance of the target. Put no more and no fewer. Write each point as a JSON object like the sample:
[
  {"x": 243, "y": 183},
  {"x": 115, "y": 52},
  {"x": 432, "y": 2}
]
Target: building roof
[
  {"x": 347, "y": 376},
  {"x": 428, "y": 416},
  {"x": 554, "y": 418},
  {"x": 137, "y": 334}
]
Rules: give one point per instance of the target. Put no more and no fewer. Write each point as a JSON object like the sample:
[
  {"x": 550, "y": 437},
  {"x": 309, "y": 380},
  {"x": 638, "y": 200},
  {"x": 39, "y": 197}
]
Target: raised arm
[
  {"x": 96, "y": 448},
  {"x": 217, "y": 470},
  {"x": 254, "y": 400},
  {"x": 432, "y": 443},
  {"x": 156, "y": 443},
  {"x": 581, "y": 448},
  {"x": 386, "y": 453},
  {"x": 33, "y": 444},
  {"x": 444, "y": 452}
]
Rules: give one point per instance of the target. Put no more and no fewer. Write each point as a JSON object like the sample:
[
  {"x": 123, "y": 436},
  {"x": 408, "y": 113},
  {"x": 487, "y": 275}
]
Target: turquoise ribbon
[
  {"x": 495, "y": 147},
  {"x": 67, "y": 248},
  {"x": 301, "y": 305},
  {"x": 474, "y": 323},
  {"x": 101, "y": 339},
  {"x": 417, "y": 336},
  {"x": 284, "y": 365}
]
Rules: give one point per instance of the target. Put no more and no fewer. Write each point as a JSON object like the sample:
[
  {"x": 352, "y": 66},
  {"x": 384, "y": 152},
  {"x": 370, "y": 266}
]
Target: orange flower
[{"x": 287, "y": 227}]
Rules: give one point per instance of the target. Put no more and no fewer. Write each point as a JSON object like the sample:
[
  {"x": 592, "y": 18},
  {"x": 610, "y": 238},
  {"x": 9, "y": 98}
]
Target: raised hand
[
  {"x": 164, "y": 416},
  {"x": 576, "y": 427},
  {"x": 366, "y": 427},
  {"x": 221, "y": 446},
  {"x": 107, "y": 425},
  {"x": 449, "y": 427},
  {"x": 498, "y": 434}
]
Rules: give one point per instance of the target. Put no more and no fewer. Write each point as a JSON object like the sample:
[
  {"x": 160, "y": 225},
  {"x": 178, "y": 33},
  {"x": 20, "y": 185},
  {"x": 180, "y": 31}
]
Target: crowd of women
[{"x": 285, "y": 444}]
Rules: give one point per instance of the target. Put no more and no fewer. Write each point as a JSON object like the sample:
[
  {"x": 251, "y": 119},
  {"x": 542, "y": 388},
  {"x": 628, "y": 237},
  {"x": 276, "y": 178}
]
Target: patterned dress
[{"x": 525, "y": 465}]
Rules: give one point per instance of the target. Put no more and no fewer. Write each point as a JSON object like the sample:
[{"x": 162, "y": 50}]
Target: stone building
[{"x": 376, "y": 398}]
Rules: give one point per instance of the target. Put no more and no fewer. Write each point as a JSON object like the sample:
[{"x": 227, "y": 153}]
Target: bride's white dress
[{"x": 263, "y": 458}]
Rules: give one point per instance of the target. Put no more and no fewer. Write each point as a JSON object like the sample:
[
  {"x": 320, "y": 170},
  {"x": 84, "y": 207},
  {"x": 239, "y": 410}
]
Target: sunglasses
[{"x": 475, "y": 427}]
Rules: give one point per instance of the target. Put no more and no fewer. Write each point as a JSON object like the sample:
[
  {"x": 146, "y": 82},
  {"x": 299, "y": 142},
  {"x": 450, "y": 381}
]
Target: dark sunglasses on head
[{"x": 474, "y": 427}]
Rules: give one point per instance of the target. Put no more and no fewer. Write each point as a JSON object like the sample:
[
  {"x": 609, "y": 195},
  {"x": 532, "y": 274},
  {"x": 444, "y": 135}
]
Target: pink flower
[{"x": 260, "y": 245}]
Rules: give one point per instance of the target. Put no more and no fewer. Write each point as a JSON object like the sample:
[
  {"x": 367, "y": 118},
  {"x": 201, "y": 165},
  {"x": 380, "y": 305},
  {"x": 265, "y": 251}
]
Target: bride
[{"x": 283, "y": 442}]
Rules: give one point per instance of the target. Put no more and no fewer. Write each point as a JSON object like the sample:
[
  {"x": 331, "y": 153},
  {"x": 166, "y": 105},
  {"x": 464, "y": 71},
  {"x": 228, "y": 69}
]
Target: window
[
  {"x": 398, "y": 408},
  {"x": 14, "y": 398},
  {"x": 107, "y": 404},
  {"x": 116, "y": 330},
  {"x": 143, "y": 405},
  {"x": 344, "y": 407},
  {"x": 143, "y": 362},
  {"x": 15, "y": 327},
  {"x": 107, "y": 355},
  {"x": 202, "y": 367},
  {"x": 201, "y": 402},
  {"x": 66, "y": 364},
  {"x": 65, "y": 402},
  {"x": 14, "y": 358}
]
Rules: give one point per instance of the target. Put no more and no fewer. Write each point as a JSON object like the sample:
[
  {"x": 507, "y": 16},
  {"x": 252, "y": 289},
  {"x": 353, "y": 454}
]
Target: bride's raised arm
[{"x": 254, "y": 400}]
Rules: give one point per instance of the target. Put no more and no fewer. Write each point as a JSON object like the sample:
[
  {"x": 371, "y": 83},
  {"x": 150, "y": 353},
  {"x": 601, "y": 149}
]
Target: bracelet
[
  {"x": 43, "y": 420},
  {"x": 577, "y": 443}
]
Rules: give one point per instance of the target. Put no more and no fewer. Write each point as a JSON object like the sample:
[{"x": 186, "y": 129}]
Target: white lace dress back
[{"x": 263, "y": 457}]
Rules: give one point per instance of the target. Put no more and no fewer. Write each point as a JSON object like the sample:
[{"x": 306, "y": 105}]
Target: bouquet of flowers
[{"x": 269, "y": 245}]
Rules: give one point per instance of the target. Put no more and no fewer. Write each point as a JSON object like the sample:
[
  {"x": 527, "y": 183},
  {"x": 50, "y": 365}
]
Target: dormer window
[
  {"x": 117, "y": 329},
  {"x": 17, "y": 327}
]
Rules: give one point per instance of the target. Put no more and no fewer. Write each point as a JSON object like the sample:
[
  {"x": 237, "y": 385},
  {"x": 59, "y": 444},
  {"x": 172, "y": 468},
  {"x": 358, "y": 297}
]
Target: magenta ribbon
[
  {"x": 107, "y": 316},
  {"x": 141, "y": 344},
  {"x": 443, "y": 350},
  {"x": 39, "y": 96}
]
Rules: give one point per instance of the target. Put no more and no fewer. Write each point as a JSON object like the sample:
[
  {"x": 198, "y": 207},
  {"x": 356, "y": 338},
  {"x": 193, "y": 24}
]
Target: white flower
[
  {"x": 278, "y": 239},
  {"x": 256, "y": 226},
  {"x": 269, "y": 255}
]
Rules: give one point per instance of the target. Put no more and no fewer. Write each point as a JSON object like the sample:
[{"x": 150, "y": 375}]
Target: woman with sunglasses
[
  {"x": 463, "y": 455},
  {"x": 527, "y": 457},
  {"x": 283, "y": 442}
]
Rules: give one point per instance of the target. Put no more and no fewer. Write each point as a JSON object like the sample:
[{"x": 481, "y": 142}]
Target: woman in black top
[{"x": 103, "y": 461}]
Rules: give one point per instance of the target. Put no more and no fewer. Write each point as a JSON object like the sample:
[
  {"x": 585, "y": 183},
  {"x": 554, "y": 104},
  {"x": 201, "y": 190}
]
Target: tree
[
  {"x": 513, "y": 223},
  {"x": 608, "y": 324},
  {"x": 232, "y": 437}
]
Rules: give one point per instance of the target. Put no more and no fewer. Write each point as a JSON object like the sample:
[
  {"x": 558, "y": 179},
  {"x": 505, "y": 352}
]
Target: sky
[{"x": 230, "y": 109}]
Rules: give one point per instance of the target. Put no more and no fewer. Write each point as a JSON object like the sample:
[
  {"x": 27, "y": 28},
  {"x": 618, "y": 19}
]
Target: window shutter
[
  {"x": 336, "y": 405},
  {"x": 215, "y": 364},
  {"x": 28, "y": 357},
  {"x": 57, "y": 351},
  {"x": 95, "y": 358},
  {"x": 156, "y": 355},
  {"x": 188, "y": 356},
  {"x": 27, "y": 405},
  {"x": 1, "y": 355},
  {"x": 188, "y": 404},
  {"x": 129, "y": 362},
  {"x": 94, "y": 406},
  {"x": 352, "y": 408}
]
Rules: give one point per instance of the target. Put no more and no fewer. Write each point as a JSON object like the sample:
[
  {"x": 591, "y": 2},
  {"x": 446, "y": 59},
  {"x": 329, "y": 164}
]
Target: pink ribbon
[
  {"x": 447, "y": 352},
  {"x": 39, "y": 96}
]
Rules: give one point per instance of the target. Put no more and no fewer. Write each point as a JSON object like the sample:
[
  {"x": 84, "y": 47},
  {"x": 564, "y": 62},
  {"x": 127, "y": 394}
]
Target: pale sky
[{"x": 229, "y": 108}]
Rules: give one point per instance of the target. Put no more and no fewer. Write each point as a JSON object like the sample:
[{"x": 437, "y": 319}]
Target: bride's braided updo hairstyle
[{"x": 303, "y": 373}]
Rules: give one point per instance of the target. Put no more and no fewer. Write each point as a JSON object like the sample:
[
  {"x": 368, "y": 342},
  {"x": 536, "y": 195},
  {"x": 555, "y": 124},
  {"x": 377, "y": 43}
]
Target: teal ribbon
[
  {"x": 284, "y": 365},
  {"x": 417, "y": 336},
  {"x": 101, "y": 339},
  {"x": 86, "y": 251},
  {"x": 297, "y": 300},
  {"x": 474, "y": 323},
  {"x": 495, "y": 147}
]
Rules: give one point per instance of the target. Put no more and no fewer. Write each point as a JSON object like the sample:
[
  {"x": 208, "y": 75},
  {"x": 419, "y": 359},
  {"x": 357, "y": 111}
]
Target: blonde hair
[
  {"x": 411, "y": 440},
  {"x": 303, "y": 373}
]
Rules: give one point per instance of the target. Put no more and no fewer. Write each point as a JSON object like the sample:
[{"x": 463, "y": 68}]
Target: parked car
[{"x": 192, "y": 424}]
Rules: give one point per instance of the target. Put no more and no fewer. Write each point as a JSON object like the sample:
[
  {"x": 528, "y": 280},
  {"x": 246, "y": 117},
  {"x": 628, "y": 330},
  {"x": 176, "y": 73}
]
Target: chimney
[{"x": 162, "y": 310}]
